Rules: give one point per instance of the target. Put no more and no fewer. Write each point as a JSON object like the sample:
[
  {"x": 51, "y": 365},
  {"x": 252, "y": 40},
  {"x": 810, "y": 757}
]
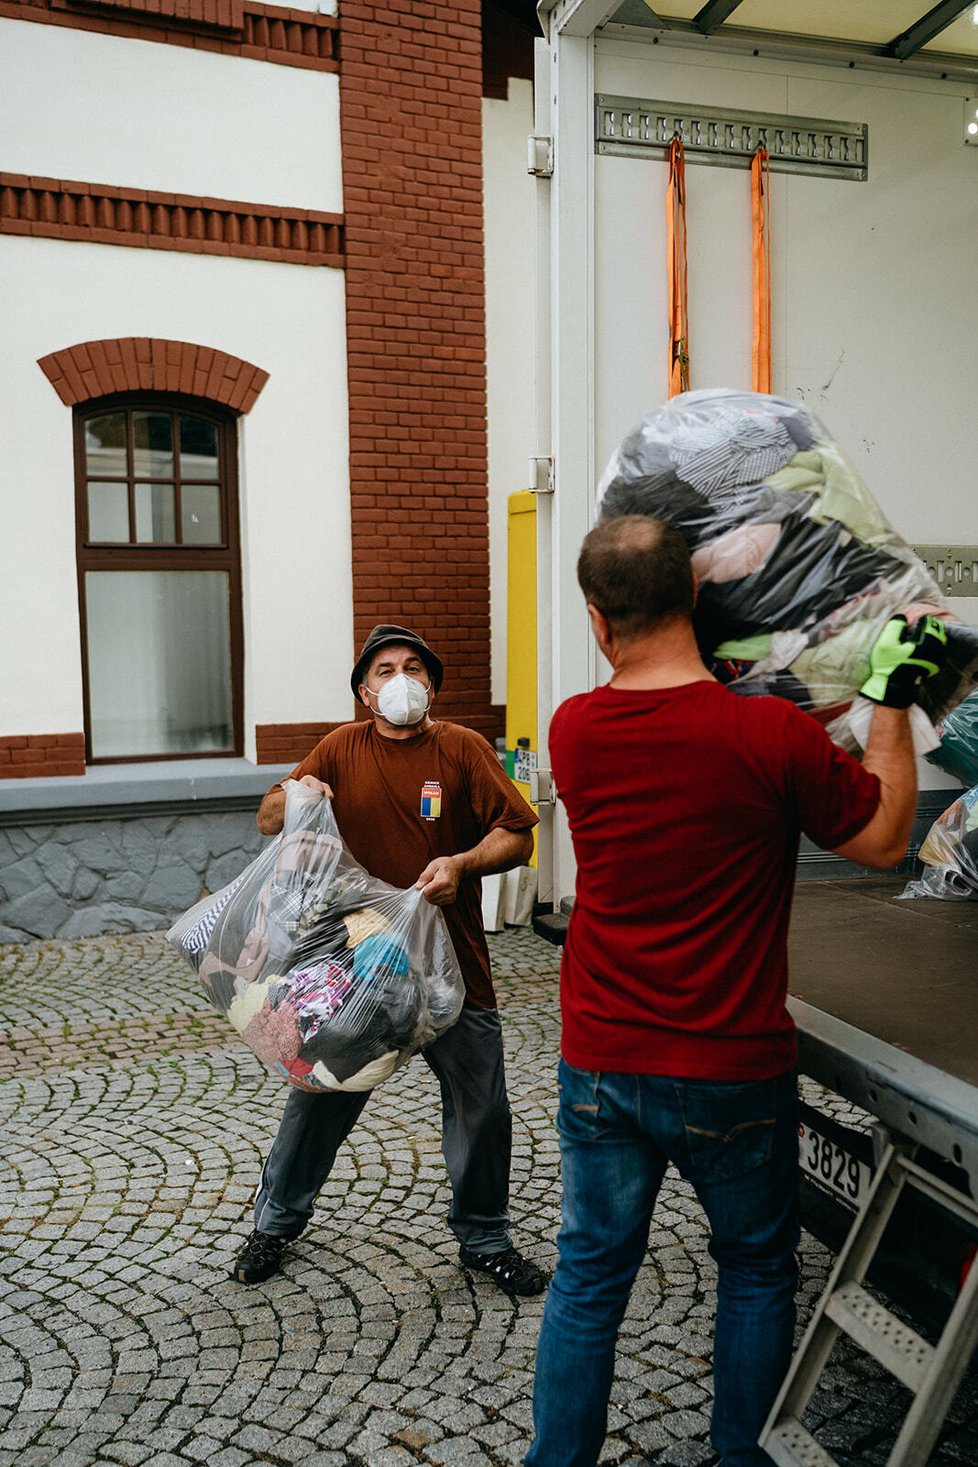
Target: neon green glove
[{"x": 902, "y": 657}]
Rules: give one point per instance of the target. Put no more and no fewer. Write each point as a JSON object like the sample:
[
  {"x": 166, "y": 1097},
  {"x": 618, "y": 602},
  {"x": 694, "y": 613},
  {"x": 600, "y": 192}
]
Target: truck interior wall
[{"x": 874, "y": 310}]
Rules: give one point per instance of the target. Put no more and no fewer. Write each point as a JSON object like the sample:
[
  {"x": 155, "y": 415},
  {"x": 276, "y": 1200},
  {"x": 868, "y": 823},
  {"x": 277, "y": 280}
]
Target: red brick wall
[
  {"x": 287, "y": 743},
  {"x": 411, "y": 117},
  {"x": 40, "y": 756}
]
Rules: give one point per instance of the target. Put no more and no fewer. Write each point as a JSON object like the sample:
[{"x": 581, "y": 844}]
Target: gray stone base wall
[
  {"x": 132, "y": 873},
  {"x": 77, "y": 868}
]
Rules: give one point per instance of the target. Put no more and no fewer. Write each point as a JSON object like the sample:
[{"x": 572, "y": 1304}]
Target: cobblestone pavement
[{"x": 133, "y": 1124}]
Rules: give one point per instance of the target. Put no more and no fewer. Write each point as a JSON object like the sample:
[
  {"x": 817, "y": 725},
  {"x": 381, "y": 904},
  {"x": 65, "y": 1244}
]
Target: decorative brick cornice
[
  {"x": 140, "y": 218},
  {"x": 147, "y": 364},
  {"x": 276, "y": 33},
  {"x": 219, "y": 15}
]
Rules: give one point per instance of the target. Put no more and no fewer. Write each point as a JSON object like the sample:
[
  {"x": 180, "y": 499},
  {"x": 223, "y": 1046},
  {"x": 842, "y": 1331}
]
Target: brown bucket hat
[{"x": 385, "y": 635}]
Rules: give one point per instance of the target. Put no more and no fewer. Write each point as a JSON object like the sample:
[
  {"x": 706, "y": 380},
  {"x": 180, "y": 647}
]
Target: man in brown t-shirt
[{"x": 425, "y": 804}]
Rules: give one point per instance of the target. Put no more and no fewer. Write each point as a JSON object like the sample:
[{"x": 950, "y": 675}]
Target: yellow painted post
[{"x": 521, "y": 658}]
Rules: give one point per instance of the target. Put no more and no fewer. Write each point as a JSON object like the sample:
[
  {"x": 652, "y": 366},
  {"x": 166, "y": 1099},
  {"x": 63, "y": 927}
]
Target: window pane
[
  {"x": 105, "y": 445},
  {"x": 152, "y": 440},
  {"x": 159, "y": 662},
  {"x": 155, "y": 519},
  {"x": 200, "y": 512},
  {"x": 108, "y": 512},
  {"x": 198, "y": 449}
]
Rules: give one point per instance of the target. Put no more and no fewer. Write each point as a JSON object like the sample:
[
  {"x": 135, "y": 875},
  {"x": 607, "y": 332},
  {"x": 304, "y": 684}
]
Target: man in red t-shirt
[
  {"x": 685, "y": 803},
  {"x": 425, "y": 804}
]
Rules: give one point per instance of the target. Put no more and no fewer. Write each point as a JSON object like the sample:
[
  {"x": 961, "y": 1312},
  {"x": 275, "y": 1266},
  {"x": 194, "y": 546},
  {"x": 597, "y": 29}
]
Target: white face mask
[{"x": 402, "y": 700}]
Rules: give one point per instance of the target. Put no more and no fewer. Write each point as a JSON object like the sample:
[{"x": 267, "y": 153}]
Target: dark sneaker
[
  {"x": 259, "y": 1258},
  {"x": 510, "y": 1270}
]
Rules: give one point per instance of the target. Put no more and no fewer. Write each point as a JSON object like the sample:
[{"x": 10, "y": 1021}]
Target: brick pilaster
[{"x": 411, "y": 116}]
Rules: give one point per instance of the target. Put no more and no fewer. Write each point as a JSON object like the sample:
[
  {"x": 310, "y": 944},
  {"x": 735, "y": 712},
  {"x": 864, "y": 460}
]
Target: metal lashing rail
[{"x": 633, "y": 127}]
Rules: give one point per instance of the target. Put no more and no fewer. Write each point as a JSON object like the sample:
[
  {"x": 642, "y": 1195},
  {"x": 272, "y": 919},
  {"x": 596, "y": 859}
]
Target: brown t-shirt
[{"x": 401, "y": 802}]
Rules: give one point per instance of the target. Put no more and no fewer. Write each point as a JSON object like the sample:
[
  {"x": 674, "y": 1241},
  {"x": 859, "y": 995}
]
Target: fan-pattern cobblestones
[{"x": 133, "y": 1126}]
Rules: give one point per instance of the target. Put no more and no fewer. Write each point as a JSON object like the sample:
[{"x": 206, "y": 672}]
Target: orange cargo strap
[
  {"x": 676, "y": 246},
  {"x": 760, "y": 190}
]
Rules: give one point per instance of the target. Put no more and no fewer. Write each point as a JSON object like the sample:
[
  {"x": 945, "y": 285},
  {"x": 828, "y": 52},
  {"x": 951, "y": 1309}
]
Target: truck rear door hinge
[
  {"x": 540, "y": 156},
  {"x": 543, "y": 791},
  {"x": 541, "y": 475}
]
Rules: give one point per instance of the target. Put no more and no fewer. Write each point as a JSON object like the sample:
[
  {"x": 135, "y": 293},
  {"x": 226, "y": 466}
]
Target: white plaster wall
[
  {"x": 510, "y": 345},
  {"x": 875, "y": 311},
  {"x": 105, "y": 109},
  {"x": 294, "y": 489}
]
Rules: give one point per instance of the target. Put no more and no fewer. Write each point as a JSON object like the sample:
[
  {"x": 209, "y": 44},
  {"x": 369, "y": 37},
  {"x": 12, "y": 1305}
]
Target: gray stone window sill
[{"x": 121, "y": 790}]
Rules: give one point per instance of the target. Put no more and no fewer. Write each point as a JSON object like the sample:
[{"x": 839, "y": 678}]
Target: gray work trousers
[{"x": 477, "y": 1133}]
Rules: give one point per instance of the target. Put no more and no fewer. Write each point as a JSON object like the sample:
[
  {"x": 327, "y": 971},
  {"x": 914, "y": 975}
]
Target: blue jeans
[{"x": 737, "y": 1143}]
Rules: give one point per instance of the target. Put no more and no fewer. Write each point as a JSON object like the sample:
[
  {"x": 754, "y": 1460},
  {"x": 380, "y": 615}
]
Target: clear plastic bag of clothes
[
  {"x": 798, "y": 569},
  {"x": 958, "y": 749},
  {"x": 950, "y": 853},
  {"x": 332, "y": 977}
]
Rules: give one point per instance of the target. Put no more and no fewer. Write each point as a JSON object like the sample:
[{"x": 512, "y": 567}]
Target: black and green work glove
[{"x": 902, "y": 657}]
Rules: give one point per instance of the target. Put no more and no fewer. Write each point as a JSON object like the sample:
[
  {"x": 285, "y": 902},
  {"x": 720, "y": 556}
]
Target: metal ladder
[{"x": 932, "y": 1372}]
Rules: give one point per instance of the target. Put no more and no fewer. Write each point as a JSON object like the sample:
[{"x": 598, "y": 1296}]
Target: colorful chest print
[{"x": 430, "y": 800}]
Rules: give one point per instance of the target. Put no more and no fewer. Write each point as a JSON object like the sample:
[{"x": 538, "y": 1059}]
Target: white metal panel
[
  {"x": 543, "y": 448},
  {"x": 874, "y": 308},
  {"x": 510, "y": 309},
  {"x": 865, "y": 22},
  {"x": 563, "y": 517},
  {"x": 103, "y": 109},
  {"x": 577, "y": 17},
  {"x": 631, "y": 324},
  {"x": 879, "y": 306},
  {"x": 960, "y": 38},
  {"x": 851, "y": 20}
]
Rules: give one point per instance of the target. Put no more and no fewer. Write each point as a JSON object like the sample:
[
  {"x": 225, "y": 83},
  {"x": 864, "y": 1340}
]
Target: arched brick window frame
[
  {"x": 151, "y": 364},
  {"x": 135, "y": 374}
]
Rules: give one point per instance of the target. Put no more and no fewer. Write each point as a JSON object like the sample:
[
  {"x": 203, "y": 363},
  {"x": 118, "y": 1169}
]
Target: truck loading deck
[
  {"x": 885, "y": 996},
  {"x": 886, "y": 1004},
  {"x": 905, "y": 973}
]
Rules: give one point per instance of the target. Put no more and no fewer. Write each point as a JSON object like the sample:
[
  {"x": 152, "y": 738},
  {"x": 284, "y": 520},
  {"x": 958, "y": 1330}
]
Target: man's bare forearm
[
  {"x": 500, "y": 850},
  {"x": 890, "y": 755},
  {"x": 271, "y": 811}
]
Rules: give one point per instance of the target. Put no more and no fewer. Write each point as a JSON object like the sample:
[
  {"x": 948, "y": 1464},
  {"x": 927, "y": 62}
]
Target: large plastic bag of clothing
[
  {"x": 958, "y": 749},
  {"x": 950, "y": 853},
  {"x": 332, "y": 977},
  {"x": 799, "y": 571}
]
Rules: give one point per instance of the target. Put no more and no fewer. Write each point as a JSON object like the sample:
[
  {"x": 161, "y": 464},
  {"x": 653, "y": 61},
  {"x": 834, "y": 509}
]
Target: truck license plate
[{"x": 831, "y": 1167}]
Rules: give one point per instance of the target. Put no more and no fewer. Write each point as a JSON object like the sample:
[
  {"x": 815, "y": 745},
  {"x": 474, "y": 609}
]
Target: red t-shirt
[
  {"x": 685, "y": 807},
  {"x": 401, "y": 802}
]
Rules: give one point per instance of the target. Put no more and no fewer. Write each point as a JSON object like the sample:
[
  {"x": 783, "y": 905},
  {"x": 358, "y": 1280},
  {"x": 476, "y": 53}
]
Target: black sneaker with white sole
[
  {"x": 510, "y": 1270},
  {"x": 260, "y": 1257}
]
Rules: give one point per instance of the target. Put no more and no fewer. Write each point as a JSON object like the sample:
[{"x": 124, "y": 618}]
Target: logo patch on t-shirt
[{"x": 430, "y": 800}]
